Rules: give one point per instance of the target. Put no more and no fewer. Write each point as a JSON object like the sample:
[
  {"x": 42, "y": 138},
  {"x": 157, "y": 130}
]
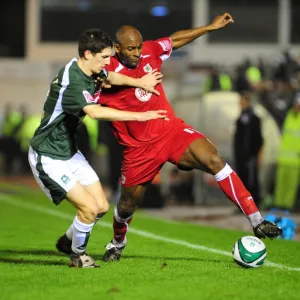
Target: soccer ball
[{"x": 249, "y": 252}]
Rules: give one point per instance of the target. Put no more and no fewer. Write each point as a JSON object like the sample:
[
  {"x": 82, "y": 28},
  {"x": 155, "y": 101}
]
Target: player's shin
[
  {"x": 120, "y": 227},
  {"x": 81, "y": 234},
  {"x": 69, "y": 232},
  {"x": 235, "y": 190}
]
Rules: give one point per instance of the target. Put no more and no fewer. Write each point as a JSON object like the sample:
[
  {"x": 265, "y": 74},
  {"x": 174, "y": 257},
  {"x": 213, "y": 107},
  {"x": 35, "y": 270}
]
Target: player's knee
[
  {"x": 103, "y": 208},
  {"x": 89, "y": 213},
  {"x": 126, "y": 208},
  {"x": 216, "y": 163}
]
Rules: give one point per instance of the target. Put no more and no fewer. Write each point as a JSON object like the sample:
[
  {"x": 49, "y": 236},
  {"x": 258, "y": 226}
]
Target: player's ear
[
  {"x": 117, "y": 48},
  {"x": 87, "y": 54}
]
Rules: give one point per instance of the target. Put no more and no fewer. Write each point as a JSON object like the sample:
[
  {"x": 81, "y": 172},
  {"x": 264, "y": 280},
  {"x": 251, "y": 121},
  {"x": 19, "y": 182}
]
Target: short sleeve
[
  {"x": 74, "y": 99},
  {"x": 163, "y": 48}
]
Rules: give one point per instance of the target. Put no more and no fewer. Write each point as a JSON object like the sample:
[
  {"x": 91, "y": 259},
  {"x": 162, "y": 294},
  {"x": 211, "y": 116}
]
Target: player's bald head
[
  {"x": 127, "y": 34},
  {"x": 128, "y": 46}
]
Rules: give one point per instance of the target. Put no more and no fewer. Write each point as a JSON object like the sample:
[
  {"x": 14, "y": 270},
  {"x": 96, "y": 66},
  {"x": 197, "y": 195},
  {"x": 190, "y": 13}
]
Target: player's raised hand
[
  {"x": 149, "y": 81},
  {"x": 152, "y": 114},
  {"x": 221, "y": 21}
]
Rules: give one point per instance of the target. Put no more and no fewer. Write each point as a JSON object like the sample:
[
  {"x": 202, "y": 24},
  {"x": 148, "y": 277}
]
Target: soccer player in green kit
[{"x": 60, "y": 169}]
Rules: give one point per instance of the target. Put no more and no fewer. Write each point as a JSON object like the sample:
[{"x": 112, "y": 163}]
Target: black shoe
[
  {"x": 82, "y": 261},
  {"x": 267, "y": 229},
  {"x": 63, "y": 245},
  {"x": 113, "y": 253}
]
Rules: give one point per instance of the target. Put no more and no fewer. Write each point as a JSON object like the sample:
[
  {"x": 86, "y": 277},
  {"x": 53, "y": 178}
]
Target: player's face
[
  {"x": 130, "y": 52},
  {"x": 100, "y": 60}
]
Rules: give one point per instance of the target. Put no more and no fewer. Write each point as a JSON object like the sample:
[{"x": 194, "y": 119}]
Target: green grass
[{"x": 161, "y": 260}]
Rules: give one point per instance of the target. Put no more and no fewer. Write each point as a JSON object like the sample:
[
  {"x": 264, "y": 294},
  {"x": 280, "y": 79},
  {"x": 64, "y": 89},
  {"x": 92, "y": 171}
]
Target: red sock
[
  {"x": 120, "y": 228},
  {"x": 235, "y": 190}
]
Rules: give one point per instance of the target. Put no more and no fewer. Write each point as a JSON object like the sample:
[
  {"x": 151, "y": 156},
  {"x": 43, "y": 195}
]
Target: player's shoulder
[
  {"x": 163, "y": 42},
  {"x": 149, "y": 46},
  {"x": 157, "y": 46},
  {"x": 69, "y": 73},
  {"x": 76, "y": 78}
]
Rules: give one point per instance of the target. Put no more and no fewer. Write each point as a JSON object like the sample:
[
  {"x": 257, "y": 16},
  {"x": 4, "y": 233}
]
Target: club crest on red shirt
[
  {"x": 142, "y": 95},
  {"x": 147, "y": 68}
]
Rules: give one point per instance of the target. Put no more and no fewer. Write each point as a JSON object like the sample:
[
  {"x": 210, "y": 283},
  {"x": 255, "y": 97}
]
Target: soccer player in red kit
[{"x": 148, "y": 145}]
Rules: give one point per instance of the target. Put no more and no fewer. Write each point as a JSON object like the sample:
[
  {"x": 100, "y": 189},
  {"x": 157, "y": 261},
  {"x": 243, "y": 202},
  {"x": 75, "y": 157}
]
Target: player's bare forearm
[
  {"x": 147, "y": 82},
  {"x": 114, "y": 78},
  {"x": 111, "y": 114},
  {"x": 183, "y": 37}
]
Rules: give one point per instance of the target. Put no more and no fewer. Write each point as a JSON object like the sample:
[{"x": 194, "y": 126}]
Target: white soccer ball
[{"x": 249, "y": 252}]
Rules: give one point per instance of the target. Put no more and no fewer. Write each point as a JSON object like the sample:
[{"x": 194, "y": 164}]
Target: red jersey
[{"x": 135, "y": 133}]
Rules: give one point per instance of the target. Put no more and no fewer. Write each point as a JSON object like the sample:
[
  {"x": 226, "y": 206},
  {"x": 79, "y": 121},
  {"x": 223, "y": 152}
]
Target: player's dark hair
[{"x": 94, "y": 40}]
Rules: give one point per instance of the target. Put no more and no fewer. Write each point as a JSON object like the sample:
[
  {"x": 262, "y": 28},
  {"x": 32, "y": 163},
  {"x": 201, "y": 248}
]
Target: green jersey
[{"x": 70, "y": 91}]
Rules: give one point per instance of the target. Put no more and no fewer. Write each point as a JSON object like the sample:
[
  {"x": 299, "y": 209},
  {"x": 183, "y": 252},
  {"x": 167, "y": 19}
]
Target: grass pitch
[{"x": 163, "y": 260}]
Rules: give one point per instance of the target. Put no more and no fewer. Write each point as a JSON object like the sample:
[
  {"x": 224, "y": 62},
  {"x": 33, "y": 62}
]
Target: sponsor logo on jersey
[
  {"x": 97, "y": 96},
  {"x": 142, "y": 95},
  {"x": 65, "y": 179},
  {"x": 88, "y": 97},
  {"x": 147, "y": 68},
  {"x": 166, "y": 45}
]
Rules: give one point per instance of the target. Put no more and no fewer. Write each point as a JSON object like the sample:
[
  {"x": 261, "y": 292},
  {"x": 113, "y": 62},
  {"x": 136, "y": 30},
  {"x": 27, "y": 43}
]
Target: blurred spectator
[
  {"x": 248, "y": 77},
  {"x": 262, "y": 68},
  {"x": 277, "y": 97},
  {"x": 25, "y": 133},
  {"x": 252, "y": 72},
  {"x": 253, "y": 75},
  {"x": 285, "y": 67},
  {"x": 288, "y": 166},
  {"x": 248, "y": 143},
  {"x": 9, "y": 143},
  {"x": 241, "y": 81},
  {"x": 217, "y": 81}
]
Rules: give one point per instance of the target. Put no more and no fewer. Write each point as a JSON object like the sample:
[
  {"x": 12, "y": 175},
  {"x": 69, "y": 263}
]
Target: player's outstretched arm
[
  {"x": 147, "y": 82},
  {"x": 183, "y": 37},
  {"x": 110, "y": 114}
]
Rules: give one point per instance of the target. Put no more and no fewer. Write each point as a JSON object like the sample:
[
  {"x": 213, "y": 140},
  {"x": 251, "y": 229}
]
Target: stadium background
[
  {"x": 167, "y": 257},
  {"x": 38, "y": 36}
]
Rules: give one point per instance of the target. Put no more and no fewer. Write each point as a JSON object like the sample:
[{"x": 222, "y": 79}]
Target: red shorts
[{"x": 142, "y": 164}]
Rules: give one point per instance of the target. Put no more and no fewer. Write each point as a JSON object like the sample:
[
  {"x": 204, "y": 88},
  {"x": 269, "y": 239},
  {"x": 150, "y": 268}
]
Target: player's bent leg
[
  {"x": 64, "y": 243},
  {"x": 201, "y": 154},
  {"x": 87, "y": 211},
  {"x": 86, "y": 175},
  {"x": 130, "y": 198},
  {"x": 95, "y": 189}
]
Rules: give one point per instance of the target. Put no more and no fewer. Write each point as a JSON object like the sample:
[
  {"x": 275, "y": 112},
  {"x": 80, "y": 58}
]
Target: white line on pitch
[{"x": 49, "y": 211}]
